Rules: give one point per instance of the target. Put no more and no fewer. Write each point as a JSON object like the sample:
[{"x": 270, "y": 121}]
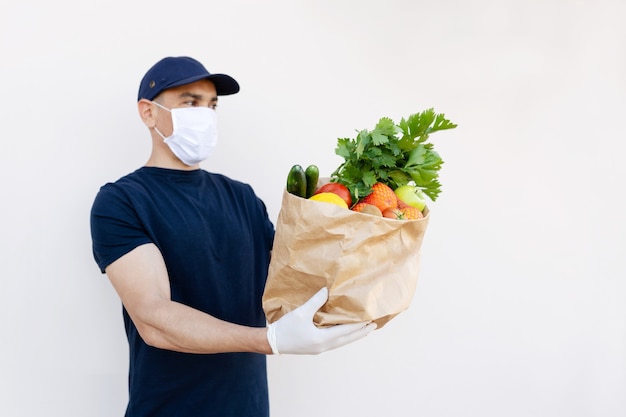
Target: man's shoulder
[
  {"x": 226, "y": 181},
  {"x": 119, "y": 187},
  {"x": 139, "y": 177}
]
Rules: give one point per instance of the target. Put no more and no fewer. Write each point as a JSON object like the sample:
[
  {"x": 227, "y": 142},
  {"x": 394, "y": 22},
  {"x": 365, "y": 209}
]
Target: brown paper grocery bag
[{"x": 370, "y": 264}]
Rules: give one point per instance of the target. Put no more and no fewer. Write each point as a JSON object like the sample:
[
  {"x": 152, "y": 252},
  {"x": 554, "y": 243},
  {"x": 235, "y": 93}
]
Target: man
[{"x": 187, "y": 251}]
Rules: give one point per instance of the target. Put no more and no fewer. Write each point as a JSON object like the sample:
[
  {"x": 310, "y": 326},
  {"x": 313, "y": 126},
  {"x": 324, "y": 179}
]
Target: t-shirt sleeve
[
  {"x": 268, "y": 226},
  {"x": 115, "y": 226}
]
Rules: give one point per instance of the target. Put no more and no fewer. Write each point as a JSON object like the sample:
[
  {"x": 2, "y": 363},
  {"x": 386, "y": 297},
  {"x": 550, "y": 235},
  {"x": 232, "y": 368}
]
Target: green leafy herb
[{"x": 394, "y": 154}]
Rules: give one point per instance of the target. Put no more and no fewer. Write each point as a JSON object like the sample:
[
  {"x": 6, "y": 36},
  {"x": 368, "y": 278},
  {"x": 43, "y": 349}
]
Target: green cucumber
[
  {"x": 312, "y": 174},
  {"x": 296, "y": 181}
]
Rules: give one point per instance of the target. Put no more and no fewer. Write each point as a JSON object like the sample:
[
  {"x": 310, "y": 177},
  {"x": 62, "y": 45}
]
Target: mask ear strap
[
  {"x": 160, "y": 134},
  {"x": 155, "y": 128},
  {"x": 159, "y": 105}
]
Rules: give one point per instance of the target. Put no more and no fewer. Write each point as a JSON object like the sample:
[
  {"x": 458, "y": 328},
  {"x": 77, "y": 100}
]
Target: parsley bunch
[{"x": 394, "y": 154}]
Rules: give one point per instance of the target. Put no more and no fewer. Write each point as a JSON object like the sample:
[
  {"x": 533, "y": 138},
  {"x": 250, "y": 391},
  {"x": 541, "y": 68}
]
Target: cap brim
[{"x": 224, "y": 84}]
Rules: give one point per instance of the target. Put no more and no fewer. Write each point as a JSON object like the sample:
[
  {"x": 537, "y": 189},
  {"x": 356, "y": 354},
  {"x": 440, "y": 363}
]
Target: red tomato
[
  {"x": 406, "y": 213},
  {"x": 336, "y": 188},
  {"x": 393, "y": 213}
]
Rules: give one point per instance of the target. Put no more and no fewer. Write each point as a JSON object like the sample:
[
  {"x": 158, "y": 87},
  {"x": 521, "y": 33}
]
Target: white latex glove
[{"x": 295, "y": 332}]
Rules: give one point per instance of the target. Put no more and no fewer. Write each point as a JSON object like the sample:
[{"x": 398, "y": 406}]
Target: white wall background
[{"x": 520, "y": 307}]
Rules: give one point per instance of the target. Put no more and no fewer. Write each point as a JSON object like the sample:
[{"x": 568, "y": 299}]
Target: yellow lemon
[{"x": 331, "y": 198}]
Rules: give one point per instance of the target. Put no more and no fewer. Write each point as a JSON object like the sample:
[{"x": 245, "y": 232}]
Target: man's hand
[{"x": 295, "y": 332}]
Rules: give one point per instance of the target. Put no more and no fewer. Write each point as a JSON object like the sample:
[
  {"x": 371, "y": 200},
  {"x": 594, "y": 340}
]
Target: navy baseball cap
[{"x": 174, "y": 71}]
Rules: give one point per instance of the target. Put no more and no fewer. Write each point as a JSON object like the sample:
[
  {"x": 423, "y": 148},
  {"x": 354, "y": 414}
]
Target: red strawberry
[
  {"x": 382, "y": 196},
  {"x": 411, "y": 213}
]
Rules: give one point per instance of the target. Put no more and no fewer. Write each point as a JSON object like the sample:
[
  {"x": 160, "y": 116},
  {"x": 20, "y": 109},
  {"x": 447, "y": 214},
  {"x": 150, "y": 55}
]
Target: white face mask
[{"x": 195, "y": 133}]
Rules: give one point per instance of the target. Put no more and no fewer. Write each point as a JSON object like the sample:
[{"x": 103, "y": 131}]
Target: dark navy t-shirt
[{"x": 216, "y": 238}]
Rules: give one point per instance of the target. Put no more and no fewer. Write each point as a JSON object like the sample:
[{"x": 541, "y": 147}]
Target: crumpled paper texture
[{"x": 370, "y": 264}]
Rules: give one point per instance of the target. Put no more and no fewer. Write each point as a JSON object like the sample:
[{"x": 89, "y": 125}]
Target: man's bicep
[{"x": 140, "y": 277}]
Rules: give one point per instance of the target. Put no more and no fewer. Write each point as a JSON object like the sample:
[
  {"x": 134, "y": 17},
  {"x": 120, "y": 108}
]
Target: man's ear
[{"x": 146, "y": 112}]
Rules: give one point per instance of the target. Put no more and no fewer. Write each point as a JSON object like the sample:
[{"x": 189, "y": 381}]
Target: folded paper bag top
[{"x": 370, "y": 264}]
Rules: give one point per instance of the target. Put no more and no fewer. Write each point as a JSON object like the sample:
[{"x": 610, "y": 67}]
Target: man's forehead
[
  {"x": 203, "y": 89},
  {"x": 198, "y": 96}
]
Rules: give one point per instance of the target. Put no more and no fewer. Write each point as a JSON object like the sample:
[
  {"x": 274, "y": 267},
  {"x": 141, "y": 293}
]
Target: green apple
[{"x": 412, "y": 196}]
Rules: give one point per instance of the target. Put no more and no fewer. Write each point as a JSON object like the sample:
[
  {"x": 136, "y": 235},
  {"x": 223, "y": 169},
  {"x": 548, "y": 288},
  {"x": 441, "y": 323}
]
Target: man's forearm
[{"x": 174, "y": 326}]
